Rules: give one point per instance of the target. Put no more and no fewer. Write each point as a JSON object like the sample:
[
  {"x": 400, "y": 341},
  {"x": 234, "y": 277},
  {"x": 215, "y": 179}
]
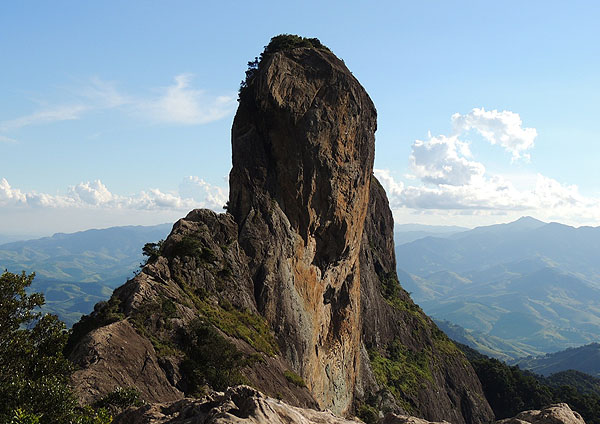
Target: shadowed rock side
[
  {"x": 403, "y": 351},
  {"x": 294, "y": 290}
]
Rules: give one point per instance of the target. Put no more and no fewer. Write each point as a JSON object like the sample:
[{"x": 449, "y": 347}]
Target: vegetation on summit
[{"x": 282, "y": 42}]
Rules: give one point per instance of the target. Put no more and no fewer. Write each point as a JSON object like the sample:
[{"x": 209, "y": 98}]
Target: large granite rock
[
  {"x": 553, "y": 414},
  {"x": 243, "y": 404},
  {"x": 240, "y": 404},
  {"x": 299, "y": 275}
]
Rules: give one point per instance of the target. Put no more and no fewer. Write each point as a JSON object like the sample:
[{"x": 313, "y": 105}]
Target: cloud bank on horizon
[
  {"x": 451, "y": 180},
  {"x": 193, "y": 192},
  {"x": 445, "y": 178}
]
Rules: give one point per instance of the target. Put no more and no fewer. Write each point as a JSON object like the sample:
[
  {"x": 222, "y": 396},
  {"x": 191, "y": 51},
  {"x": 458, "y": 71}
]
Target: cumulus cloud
[
  {"x": 443, "y": 160},
  {"x": 199, "y": 190},
  {"x": 545, "y": 198},
  {"x": 446, "y": 177},
  {"x": 96, "y": 195},
  {"x": 182, "y": 104},
  {"x": 9, "y": 195},
  {"x": 504, "y": 128}
]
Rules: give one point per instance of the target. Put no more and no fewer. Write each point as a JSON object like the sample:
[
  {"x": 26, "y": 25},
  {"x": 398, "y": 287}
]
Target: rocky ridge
[
  {"x": 243, "y": 404},
  {"x": 294, "y": 289}
]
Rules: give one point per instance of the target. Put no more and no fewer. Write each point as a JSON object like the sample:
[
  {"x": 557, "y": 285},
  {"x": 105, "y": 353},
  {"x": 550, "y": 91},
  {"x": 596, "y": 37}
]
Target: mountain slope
[
  {"x": 585, "y": 359},
  {"x": 515, "y": 282},
  {"x": 572, "y": 249},
  {"x": 75, "y": 271}
]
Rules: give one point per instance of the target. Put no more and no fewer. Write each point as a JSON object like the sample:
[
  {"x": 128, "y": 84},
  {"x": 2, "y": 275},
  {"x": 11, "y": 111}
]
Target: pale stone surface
[
  {"x": 116, "y": 356},
  {"x": 559, "y": 413},
  {"x": 240, "y": 404}
]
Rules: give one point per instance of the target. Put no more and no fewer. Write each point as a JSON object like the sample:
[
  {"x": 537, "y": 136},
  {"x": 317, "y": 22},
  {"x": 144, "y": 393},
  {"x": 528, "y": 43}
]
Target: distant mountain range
[
  {"x": 488, "y": 345},
  {"x": 74, "y": 271},
  {"x": 534, "y": 285},
  {"x": 405, "y": 233},
  {"x": 584, "y": 359}
]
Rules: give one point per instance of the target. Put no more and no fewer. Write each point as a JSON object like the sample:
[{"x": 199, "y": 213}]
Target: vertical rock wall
[{"x": 303, "y": 146}]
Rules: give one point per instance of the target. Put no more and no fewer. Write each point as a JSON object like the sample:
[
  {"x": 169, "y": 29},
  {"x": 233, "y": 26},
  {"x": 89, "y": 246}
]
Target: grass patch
[
  {"x": 294, "y": 378},
  {"x": 402, "y": 371},
  {"x": 396, "y": 296},
  {"x": 245, "y": 325}
]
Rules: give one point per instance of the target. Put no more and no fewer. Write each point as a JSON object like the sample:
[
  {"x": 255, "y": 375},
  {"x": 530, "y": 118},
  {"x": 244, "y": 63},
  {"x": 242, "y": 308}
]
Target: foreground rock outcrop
[
  {"x": 294, "y": 289},
  {"x": 243, "y": 404},
  {"x": 553, "y": 414}
]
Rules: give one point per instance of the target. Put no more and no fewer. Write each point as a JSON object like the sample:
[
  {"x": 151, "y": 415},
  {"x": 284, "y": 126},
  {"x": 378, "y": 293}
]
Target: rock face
[
  {"x": 296, "y": 284},
  {"x": 241, "y": 404},
  {"x": 303, "y": 147},
  {"x": 554, "y": 414}
]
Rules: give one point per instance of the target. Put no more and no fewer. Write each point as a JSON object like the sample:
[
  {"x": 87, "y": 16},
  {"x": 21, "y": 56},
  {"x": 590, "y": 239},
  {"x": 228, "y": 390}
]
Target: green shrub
[
  {"x": 368, "y": 414},
  {"x": 294, "y": 378},
  {"x": 34, "y": 374},
  {"x": 22, "y": 417},
  {"x": 120, "y": 399},
  {"x": 210, "y": 359},
  {"x": 153, "y": 250},
  {"x": 402, "y": 371},
  {"x": 282, "y": 42},
  {"x": 192, "y": 246}
]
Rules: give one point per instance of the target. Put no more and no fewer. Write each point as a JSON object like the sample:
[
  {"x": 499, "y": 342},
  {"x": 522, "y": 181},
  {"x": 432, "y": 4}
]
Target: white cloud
[
  {"x": 443, "y": 160},
  {"x": 447, "y": 179},
  {"x": 54, "y": 114},
  {"x": 504, "y": 128},
  {"x": 104, "y": 94},
  {"x": 4, "y": 139},
  {"x": 199, "y": 190},
  {"x": 546, "y": 199},
  {"x": 10, "y": 195},
  {"x": 393, "y": 188},
  {"x": 94, "y": 195},
  {"x": 181, "y": 104}
]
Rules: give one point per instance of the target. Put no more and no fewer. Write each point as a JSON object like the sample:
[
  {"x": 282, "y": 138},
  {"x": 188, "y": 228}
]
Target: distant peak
[{"x": 529, "y": 219}]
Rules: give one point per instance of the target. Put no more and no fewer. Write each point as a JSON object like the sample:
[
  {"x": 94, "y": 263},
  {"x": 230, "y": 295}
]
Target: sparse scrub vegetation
[
  {"x": 282, "y": 42},
  {"x": 211, "y": 359},
  {"x": 294, "y": 378},
  {"x": 120, "y": 399}
]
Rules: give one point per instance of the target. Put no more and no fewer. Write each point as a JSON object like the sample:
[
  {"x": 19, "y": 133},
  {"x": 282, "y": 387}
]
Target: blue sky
[{"x": 117, "y": 113}]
